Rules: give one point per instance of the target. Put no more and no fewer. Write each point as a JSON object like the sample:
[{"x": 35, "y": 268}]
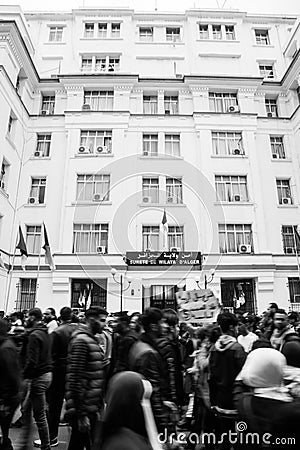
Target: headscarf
[
  {"x": 263, "y": 371},
  {"x": 128, "y": 405}
]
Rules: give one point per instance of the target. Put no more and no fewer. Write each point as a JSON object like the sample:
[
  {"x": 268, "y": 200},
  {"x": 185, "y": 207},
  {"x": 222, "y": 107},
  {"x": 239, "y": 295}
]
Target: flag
[
  {"x": 23, "y": 249},
  {"x": 2, "y": 262},
  {"x": 165, "y": 231},
  {"x": 46, "y": 247}
]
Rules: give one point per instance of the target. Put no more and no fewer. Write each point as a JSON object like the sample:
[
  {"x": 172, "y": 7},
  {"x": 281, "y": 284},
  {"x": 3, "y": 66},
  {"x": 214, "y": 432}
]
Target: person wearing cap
[{"x": 38, "y": 376}]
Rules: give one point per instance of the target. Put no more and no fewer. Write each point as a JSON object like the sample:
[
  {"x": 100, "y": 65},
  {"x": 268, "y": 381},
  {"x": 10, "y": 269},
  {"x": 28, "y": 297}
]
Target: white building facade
[{"x": 110, "y": 118}]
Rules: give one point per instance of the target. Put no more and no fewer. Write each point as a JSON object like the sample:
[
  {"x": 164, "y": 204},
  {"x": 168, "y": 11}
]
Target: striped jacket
[{"x": 85, "y": 375}]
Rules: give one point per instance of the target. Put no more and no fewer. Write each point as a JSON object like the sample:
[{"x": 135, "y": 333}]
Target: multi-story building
[{"x": 109, "y": 118}]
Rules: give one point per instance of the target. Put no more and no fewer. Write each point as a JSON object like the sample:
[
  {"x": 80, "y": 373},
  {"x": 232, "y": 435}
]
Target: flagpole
[
  {"x": 11, "y": 268},
  {"x": 296, "y": 250}
]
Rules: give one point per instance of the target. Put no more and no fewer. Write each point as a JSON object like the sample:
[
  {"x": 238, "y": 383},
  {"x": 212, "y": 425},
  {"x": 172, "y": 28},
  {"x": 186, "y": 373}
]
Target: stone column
[
  {"x": 200, "y": 98},
  {"x": 75, "y": 96}
]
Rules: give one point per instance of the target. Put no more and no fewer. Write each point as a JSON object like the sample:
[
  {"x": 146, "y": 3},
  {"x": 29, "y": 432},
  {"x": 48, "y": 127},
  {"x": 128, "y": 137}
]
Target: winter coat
[
  {"x": 226, "y": 361},
  {"x": 85, "y": 375},
  {"x": 144, "y": 358},
  {"x": 124, "y": 345},
  {"x": 10, "y": 372},
  {"x": 290, "y": 348},
  {"x": 38, "y": 352},
  {"x": 61, "y": 337}
]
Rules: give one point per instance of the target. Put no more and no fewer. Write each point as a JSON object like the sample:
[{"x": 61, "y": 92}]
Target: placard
[{"x": 199, "y": 306}]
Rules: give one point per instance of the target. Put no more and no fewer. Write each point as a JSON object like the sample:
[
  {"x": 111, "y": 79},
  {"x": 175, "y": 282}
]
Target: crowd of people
[{"x": 137, "y": 382}]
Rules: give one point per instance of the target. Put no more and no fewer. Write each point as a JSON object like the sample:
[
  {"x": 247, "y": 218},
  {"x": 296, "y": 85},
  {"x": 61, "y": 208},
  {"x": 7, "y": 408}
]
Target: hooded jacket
[
  {"x": 85, "y": 374},
  {"x": 38, "y": 352},
  {"x": 225, "y": 363}
]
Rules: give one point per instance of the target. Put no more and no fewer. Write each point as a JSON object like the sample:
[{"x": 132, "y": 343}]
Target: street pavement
[{"x": 63, "y": 436}]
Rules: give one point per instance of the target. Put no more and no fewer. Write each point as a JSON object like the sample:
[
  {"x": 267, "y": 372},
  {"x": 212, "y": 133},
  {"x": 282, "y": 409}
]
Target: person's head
[
  {"x": 49, "y": 315},
  {"x": 293, "y": 318},
  {"x": 135, "y": 322},
  {"x": 273, "y": 307},
  {"x": 80, "y": 317},
  {"x": 151, "y": 321},
  {"x": 65, "y": 314},
  {"x": 95, "y": 318},
  {"x": 280, "y": 319},
  {"x": 170, "y": 323},
  {"x": 242, "y": 329},
  {"x": 122, "y": 326},
  {"x": 227, "y": 323},
  {"x": 4, "y": 326},
  {"x": 34, "y": 316},
  {"x": 263, "y": 368}
]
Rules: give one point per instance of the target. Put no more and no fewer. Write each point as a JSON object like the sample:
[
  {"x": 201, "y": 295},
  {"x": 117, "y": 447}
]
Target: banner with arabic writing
[
  {"x": 151, "y": 258},
  {"x": 199, "y": 306}
]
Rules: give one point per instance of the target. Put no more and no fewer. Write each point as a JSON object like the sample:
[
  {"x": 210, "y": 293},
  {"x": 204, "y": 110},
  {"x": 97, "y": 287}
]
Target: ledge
[
  {"x": 91, "y": 203},
  {"x": 234, "y": 203},
  {"x": 167, "y": 157},
  {"x": 229, "y": 156},
  {"x": 224, "y": 41},
  {"x": 277, "y": 160},
  {"x": 287, "y": 206},
  {"x": 93, "y": 155},
  {"x": 162, "y": 205},
  {"x": 34, "y": 205},
  {"x": 39, "y": 158}
]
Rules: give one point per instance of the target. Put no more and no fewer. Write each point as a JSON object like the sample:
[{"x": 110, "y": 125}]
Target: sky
[{"x": 257, "y": 6}]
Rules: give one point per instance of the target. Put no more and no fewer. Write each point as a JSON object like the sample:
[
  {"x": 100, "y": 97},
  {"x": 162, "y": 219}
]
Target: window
[
  {"x": 86, "y": 64},
  {"x": 146, "y": 34},
  {"x": 26, "y": 294},
  {"x": 171, "y": 104},
  {"x": 11, "y": 128},
  {"x": 89, "y": 30},
  {"x": 33, "y": 239},
  {"x": 175, "y": 237},
  {"x": 231, "y": 188},
  {"x": 43, "y": 145},
  {"x": 99, "y": 100},
  {"x": 288, "y": 239},
  {"x": 102, "y": 30},
  {"x": 37, "y": 191},
  {"x": 115, "y": 30},
  {"x": 85, "y": 293},
  {"x": 231, "y": 237},
  {"x": 93, "y": 140},
  {"x": 277, "y": 147},
  {"x": 271, "y": 107},
  {"x": 173, "y": 34},
  {"x": 284, "y": 192},
  {"x": 172, "y": 144},
  {"x": 150, "y": 190},
  {"x": 150, "y": 104},
  {"x": 229, "y": 32},
  {"x": 294, "y": 289},
  {"x": 163, "y": 296},
  {"x": 227, "y": 143},
  {"x": 216, "y": 32},
  {"x": 55, "y": 34},
  {"x": 174, "y": 190},
  {"x": 150, "y": 237},
  {"x": 262, "y": 37},
  {"x": 150, "y": 144},
  {"x": 4, "y": 174},
  {"x": 113, "y": 64},
  {"x": 93, "y": 187},
  {"x": 222, "y": 101},
  {"x": 89, "y": 236},
  {"x": 203, "y": 31},
  {"x": 266, "y": 71},
  {"x": 48, "y": 104}
]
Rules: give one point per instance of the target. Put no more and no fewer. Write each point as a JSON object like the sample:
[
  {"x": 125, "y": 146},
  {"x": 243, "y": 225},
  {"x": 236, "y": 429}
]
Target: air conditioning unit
[
  {"x": 233, "y": 108},
  {"x": 286, "y": 201},
  {"x": 102, "y": 149},
  {"x": 32, "y": 200},
  {"x": 86, "y": 107},
  {"x": 175, "y": 249},
  {"x": 45, "y": 112},
  {"x": 289, "y": 250},
  {"x": 270, "y": 114},
  {"x": 101, "y": 249},
  {"x": 37, "y": 154},
  {"x": 237, "y": 198},
  {"x": 237, "y": 151},
  {"x": 167, "y": 112},
  {"x": 170, "y": 199},
  {"x": 146, "y": 199},
  {"x": 274, "y": 156},
  {"x": 97, "y": 197},
  {"x": 145, "y": 153},
  {"x": 245, "y": 248},
  {"x": 83, "y": 149}
]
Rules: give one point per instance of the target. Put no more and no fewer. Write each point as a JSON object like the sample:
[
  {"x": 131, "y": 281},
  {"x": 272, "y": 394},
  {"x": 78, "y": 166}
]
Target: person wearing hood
[
  {"x": 226, "y": 360},
  {"x": 285, "y": 339},
  {"x": 264, "y": 403},
  {"x": 128, "y": 422},
  {"x": 85, "y": 380},
  {"x": 38, "y": 377},
  {"x": 10, "y": 383}
]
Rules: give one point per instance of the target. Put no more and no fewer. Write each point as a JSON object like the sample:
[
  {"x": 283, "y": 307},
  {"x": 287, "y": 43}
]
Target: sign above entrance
[{"x": 150, "y": 258}]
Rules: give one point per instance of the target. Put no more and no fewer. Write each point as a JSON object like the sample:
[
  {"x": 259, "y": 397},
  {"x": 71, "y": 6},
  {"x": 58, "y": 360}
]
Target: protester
[
  {"x": 10, "y": 383},
  {"x": 285, "y": 339},
  {"x": 85, "y": 380},
  {"x": 127, "y": 338},
  {"x": 104, "y": 338},
  {"x": 246, "y": 338},
  {"x": 50, "y": 319},
  {"x": 129, "y": 422},
  {"x": 38, "y": 376}
]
